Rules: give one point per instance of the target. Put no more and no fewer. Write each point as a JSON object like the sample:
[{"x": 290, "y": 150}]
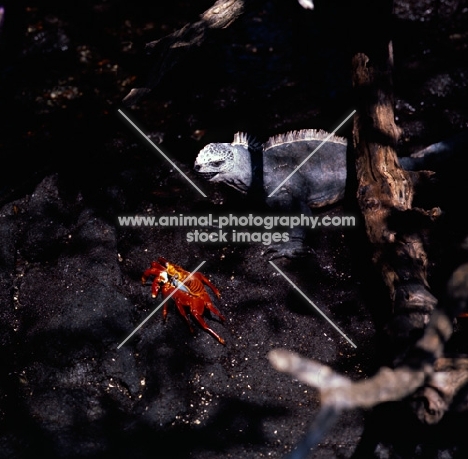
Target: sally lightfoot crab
[{"x": 169, "y": 278}]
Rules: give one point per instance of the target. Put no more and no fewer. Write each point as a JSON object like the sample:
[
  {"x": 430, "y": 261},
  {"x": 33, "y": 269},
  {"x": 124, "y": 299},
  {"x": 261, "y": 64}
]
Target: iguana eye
[{"x": 216, "y": 163}]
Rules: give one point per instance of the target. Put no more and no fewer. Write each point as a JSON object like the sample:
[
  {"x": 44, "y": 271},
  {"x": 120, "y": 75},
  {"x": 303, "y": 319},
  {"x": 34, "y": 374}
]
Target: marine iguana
[{"x": 320, "y": 181}]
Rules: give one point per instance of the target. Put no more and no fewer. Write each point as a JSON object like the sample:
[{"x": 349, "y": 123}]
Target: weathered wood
[
  {"x": 385, "y": 193},
  {"x": 175, "y": 47},
  {"x": 388, "y": 384},
  {"x": 431, "y": 383},
  {"x": 394, "y": 228},
  {"x": 427, "y": 380}
]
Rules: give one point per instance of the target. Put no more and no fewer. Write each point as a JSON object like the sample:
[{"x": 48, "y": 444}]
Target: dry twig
[{"x": 174, "y": 48}]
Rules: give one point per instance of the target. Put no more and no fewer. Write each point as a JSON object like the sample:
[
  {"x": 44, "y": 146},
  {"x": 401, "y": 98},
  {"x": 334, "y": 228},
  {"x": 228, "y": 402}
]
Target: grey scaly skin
[{"x": 319, "y": 182}]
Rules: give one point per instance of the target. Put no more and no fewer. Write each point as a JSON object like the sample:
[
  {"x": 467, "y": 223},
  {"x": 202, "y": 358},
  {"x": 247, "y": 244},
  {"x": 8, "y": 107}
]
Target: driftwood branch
[
  {"x": 430, "y": 382},
  {"x": 425, "y": 366},
  {"x": 431, "y": 393},
  {"x": 175, "y": 47},
  {"x": 386, "y": 385},
  {"x": 394, "y": 228},
  {"x": 385, "y": 193}
]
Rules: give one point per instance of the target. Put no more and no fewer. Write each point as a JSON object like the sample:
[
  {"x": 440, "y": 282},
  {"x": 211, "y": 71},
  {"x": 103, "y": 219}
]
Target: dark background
[{"x": 70, "y": 275}]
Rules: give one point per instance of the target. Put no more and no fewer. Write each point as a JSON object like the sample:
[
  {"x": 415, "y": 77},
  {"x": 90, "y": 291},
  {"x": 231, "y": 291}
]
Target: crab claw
[{"x": 160, "y": 276}]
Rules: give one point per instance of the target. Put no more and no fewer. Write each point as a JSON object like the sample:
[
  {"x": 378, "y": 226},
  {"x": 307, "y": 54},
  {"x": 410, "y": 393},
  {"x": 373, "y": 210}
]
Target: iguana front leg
[
  {"x": 295, "y": 247},
  {"x": 292, "y": 249}
]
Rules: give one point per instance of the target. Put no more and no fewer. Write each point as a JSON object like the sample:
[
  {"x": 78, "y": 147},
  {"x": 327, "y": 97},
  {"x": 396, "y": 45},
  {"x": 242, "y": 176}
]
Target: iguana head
[{"x": 227, "y": 163}]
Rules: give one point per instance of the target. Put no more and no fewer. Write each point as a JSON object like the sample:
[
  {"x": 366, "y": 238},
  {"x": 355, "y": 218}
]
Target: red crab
[{"x": 192, "y": 294}]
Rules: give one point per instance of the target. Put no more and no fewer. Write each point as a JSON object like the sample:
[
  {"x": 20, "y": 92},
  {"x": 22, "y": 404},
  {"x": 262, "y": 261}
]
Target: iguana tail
[{"x": 436, "y": 155}]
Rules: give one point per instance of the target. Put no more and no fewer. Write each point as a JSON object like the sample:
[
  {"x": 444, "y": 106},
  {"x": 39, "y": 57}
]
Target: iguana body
[{"x": 318, "y": 181}]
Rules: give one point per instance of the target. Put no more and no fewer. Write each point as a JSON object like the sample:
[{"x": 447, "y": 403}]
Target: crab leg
[
  {"x": 213, "y": 309},
  {"x": 180, "y": 306},
  {"x": 205, "y": 326}
]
